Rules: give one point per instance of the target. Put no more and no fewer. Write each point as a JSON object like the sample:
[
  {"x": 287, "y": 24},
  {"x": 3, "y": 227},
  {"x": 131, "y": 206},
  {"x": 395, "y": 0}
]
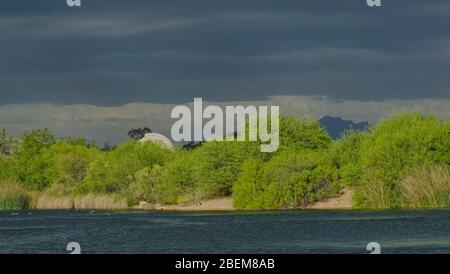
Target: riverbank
[
  {"x": 343, "y": 201},
  {"x": 104, "y": 202},
  {"x": 219, "y": 204},
  {"x": 43, "y": 201}
]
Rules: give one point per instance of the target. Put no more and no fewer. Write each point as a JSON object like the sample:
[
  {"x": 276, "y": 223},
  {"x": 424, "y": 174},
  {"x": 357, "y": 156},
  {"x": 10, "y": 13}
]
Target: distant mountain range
[{"x": 336, "y": 125}]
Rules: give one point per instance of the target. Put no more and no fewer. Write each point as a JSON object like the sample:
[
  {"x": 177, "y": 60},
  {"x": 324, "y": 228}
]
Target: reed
[
  {"x": 13, "y": 196},
  {"x": 427, "y": 187},
  {"x": 89, "y": 201},
  {"x": 377, "y": 195}
]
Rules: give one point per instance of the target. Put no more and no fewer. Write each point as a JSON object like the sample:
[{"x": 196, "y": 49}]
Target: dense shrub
[
  {"x": 399, "y": 145},
  {"x": 302, "y": 134},
  {"x": 345, "y": 154},
  {"x": 113, "y": 170},
  {"x": 67, "y": 165},
  {"x": 248, "y": 191},
  {"x": 177, "y": 184},
  {"x": 6, "y": 169},
  {"x": 216, "y": 166},
  {"x": 290, "y": 179},
  {"x": 143, "y": 184},
  {"x": 29, "y": 165}
]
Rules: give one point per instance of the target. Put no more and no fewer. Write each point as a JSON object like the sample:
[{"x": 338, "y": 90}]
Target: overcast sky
[{"x": 110, "y": 53}]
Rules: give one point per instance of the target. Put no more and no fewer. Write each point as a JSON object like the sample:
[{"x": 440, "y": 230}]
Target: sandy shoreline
[
  {"x": 218, "y": 204},
  {"x": 343, "y": 201}
]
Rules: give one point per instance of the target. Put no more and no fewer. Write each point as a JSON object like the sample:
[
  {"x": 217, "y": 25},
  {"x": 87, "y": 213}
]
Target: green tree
[
  {"x": 138, "y": 133},
  {"x": 29, "y": 166}
]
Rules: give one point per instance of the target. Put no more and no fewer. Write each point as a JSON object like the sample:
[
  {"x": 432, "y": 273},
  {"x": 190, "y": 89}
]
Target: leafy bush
[
  {"x": 397, "y": 146},
  {"x": 6, "y": 169},
  {"x": 67, "y": 165},
  {"x": 111, "y": 172},
  {"x": 177, "y": 182},
  {"x": 216, "y": 166},
  {"x": 427, "y": 187},
  {"x": 249, "y": 188},
  {"x": 29, "y": 166},
  {"x": 206, "y": 172},
  {"x": 13, "y": 196},
  {"x": 297, "y": 135},
  {"x": 290, "y": 179},
  {"x": 144, "y": 183},
  {"x": 345, "y": 153},
  {"x": 302, "y": 134}
]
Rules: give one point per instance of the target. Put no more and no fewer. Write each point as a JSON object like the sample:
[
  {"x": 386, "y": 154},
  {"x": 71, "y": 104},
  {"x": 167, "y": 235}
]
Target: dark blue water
[{"x": 237, "y": 232}]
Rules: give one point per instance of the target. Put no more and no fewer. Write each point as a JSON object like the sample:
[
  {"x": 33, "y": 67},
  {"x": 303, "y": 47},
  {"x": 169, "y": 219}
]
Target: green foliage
[
  {"x": 217, "y": 165},
  {"x": 143, "y": 184},
  {"x": 399, "y": 145},
  {"x": 249, "y": 188},
  {"x": 67, "y": 164},
  {"x": 298, "y": 174},
  {"x": 6, "y": 169},
  {"x": 177, "y": 180},
  {"x": 290, "y": 179},
  {"x": 302, "y": 134},
  {"x": 29, "y": 165},
  {"x": 388, "y": 167},
  {"x": 111, "y": 172},
  {"x": 206, "y": 172},
  {"x": 345, "y": 154}
]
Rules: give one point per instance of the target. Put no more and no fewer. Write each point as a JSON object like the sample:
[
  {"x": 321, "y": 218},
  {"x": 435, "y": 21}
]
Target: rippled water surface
[{"x": 236, "y": 232}]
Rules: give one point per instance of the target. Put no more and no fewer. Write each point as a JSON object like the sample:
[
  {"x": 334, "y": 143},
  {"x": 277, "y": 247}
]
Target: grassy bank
[{"x": 13, "y": 196}]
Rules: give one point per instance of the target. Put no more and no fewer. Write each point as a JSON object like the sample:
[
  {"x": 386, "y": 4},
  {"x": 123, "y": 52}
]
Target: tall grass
[
  {"x": 374, "y": 195},
  {"x": 427, "y": 187},
  {"x": 89, "y": 201},
  {"x": 13, "y": 196}
]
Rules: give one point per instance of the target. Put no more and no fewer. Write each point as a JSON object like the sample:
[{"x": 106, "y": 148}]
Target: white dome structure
[{"x": 158, "y": 139}]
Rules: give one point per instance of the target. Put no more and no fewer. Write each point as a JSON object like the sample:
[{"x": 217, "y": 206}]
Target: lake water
[{"x": 234, "y": 232}]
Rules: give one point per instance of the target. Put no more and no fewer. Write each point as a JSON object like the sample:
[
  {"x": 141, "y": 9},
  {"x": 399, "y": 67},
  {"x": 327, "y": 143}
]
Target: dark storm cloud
[{"x": 114, "y": 52}]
